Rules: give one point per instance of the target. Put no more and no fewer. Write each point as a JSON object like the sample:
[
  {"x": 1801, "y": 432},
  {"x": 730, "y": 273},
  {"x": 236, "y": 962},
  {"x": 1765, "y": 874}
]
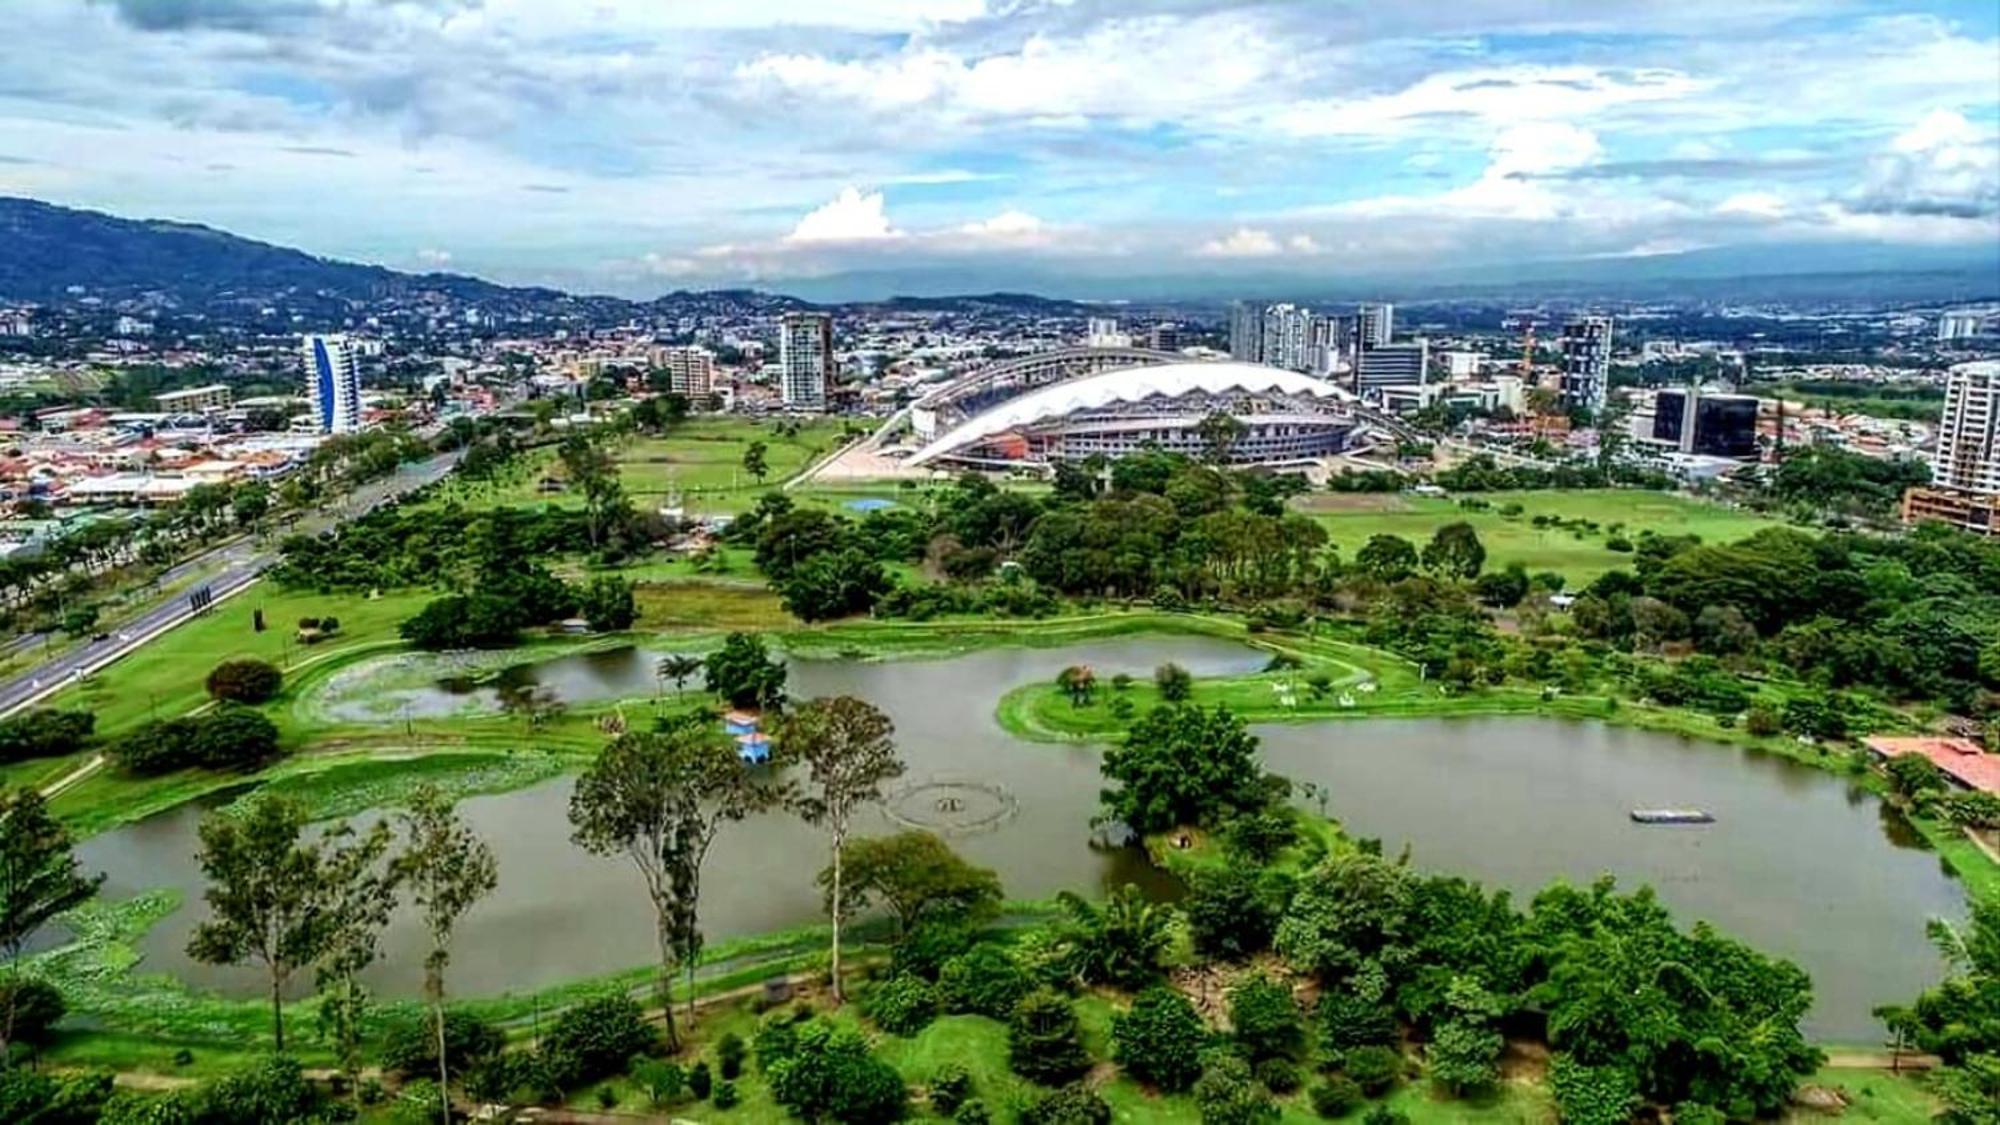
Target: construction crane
[{"x": 1526, "y": 322}]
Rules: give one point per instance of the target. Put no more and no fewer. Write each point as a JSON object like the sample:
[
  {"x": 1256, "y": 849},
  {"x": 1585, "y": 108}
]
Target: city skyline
[{"x": 633, "y": 148}]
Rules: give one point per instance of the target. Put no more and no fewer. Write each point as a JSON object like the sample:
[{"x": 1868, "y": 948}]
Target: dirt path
[
  {"x": 1880, "y": 1060},
  {"x": 54, "y": 788}
]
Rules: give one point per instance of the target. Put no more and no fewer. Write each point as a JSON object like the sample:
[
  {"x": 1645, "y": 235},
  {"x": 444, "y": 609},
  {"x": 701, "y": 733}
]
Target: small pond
[{"x": 1800, "y": 862}]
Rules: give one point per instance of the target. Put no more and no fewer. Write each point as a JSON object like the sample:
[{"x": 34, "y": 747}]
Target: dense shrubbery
[
  {"x": 410, "y": 1045},
  {"x": 827, "y": 1073},
  {"x": 596, "y": 1038},
  {"x": 44, "y": 733},
  {"x": 244, "y": 681},
  {"x": 901, "y": 1004},
  {"x": 1044, "y": 1043},
  {"x": 230, "y": 736},
  {"x": 1159, "y": 1040}
]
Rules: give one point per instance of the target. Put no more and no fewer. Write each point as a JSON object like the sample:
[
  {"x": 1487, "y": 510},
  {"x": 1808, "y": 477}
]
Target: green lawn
[{"x": 1351, "y": 518}]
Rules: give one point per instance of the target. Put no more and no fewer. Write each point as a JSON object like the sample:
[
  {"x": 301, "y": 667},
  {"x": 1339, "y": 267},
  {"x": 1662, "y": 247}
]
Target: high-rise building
[
  {"x": 805, "y": 358},
  {"x": 1586, "y": 362},
  {"x": 333, "y": 382},
  {"x": 1711, "y": 425},
  {"x": 1968, "y": 446},
  {"x": 1288, "y": 337},
  {"x": 1375, "y": 324},
  {"x": 1165, "y": 337},
  {"x": 690, "y": 369},
  {"x": 1103, "y": 333},
  {"x": 1959, "y": 324},
  {"x": 1393, "y": 365},
  {"x": 1246, "y": 333}
]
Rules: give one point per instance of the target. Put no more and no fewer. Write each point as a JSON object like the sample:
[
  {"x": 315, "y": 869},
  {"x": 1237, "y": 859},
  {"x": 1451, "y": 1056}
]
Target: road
[{"x": 227, "y": 570}]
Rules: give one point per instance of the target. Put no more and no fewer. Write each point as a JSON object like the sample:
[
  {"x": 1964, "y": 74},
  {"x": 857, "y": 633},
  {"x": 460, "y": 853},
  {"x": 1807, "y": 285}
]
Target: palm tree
[
  {"x": 1119, "y": 943},
  {"x": 678, "y": 668}
]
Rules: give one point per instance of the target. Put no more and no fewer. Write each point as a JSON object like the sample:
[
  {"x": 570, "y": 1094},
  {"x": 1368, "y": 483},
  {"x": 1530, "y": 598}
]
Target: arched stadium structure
[
  {"x": 995, "y": 383},
  {"x": 1286, "y": 417}
]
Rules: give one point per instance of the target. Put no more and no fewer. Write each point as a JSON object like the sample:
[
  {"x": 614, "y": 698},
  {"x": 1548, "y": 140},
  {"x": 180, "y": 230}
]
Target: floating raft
[{"x": 1672, "y": 816}]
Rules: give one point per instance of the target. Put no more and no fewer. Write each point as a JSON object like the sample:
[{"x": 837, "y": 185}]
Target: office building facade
[
  {"x": 1246, "y": 333},
  {"x": 1586, "y": 363},
  {"x": 196, "y": 400},
  {"x": 690, "y": 370},
  {"x": 333, "y": 382},
  {"x": 805, "y": 359},
  {"x": 1708, "y": 425},
  {"x": 1968, "y": 446},
  {"x": 1375, "y": 324},
  {"x": 1393, "y": 365}
]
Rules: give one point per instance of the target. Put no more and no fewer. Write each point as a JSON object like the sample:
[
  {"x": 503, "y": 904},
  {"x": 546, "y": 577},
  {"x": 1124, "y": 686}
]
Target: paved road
[{"x": 228, "y": 570}]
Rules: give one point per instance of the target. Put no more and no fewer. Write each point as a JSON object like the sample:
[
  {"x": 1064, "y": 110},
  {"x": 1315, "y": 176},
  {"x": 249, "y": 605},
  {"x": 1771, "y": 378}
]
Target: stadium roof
[{"x": 1127, "y": 384}]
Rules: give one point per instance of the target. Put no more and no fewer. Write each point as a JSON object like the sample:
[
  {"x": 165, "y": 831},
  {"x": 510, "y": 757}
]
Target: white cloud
[
  {"x": 1481, "y": 97},
  {"x": 1243, "y": 242},
  {"x": 1303, "y": 244},
  {"x": 1943, "y": 165},
  {"x": 433, "y": 257},
  {"x": 1007, "y": 224},
  {"x": 1754, "y": 204},
  {"x": 1541, "y": 147},
  {"x": 851, "y": 216}
]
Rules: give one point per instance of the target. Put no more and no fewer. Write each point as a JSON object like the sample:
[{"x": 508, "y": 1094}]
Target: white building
[
  {"x": 1967, "y": 458},
  {"x": 690, "y": 370},
  {"x": 1376, "y": 321},
  {"x": 1393, "y": 365},
  {"x": 1460, "y": 364},
  {"x": 805, "y": 359},
  {"x": 1586, "y": 362},
  {"x": 1959, "y": 324},
  {"x": 1103, "y": 333},
  {"x": 333, "y": 382}
]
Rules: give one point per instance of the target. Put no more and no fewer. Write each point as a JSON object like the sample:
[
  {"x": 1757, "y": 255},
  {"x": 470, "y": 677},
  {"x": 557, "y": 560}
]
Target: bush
[
  {"x": 43, "y": 733},
  {"x": 777, "y": 1038},
  {"x": 597, "y": 1038},
  {"x": 1044, "y": 1043},
  {"x": 1071, "y": 1105},
  {"x": 515, "y": 1076},
  {"x": 244, "y": 681},
  {"x": 36, "y": 1007},
  {"x": 1265, "y": 1019},
  {"x": 1762, "y": 721},
  {"x": 662, "y": 1080},
  {"x": 925, "y": 949},
  {"x": 1383, "y": 1115},
  {"x": 832, "y": 1075},
  {"x": 700, "y": 1081},
  {"x": 1174, "y": 682},
  {"x": 1159, "y": 1040},
  {"x": 231, "y": 736},
  {"x": 972, "y": 1112},
  {"x": 982, "y": 981},
  {"x": 725, "y": 1096},
  {"x": 901, "y": 1005},
  {"x": 1338, "y": 1096},
  {"x": 464, "y": 621},
  {"x": 607, "y": 1097},
  {"x": 1347, "y": 1021},
  {"x": 1232, "y": 911},
  {"x": 1280, "y": 1076},
  {"x": 950, "y": 1087},
  {"x": 1227, "y": 1094},
  {"x": 410, "y": 1045},
  {"x": 1374, "y": 1068},
  {"x": 729, "y": 1052}
]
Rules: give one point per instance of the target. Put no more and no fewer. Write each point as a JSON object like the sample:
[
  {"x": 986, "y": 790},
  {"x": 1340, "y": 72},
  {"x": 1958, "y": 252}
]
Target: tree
[
  {"x": 754, "y": 461},
  {"x": 849, "y": 754},
  {"x": 39, "y": 879},
  {"x": 917, "y": 876},
  {"x": 606, "y": 602},
  {"x": 829, "y": 1074},
  {"x": 44, "y": 733},
  {"x": 1348, "y": 912},
  {"x": 1912, "y": 776},
  {"x": 742, "y": 672},
  {"x": 678, "y": 668},
  {"x": 596, "y": 1038},
  {"x": 591, "y": 469},
  {"x": 1386, "y": 558},
  {"x": 1454, "y": 552},
  {"x": 1044, "y": 1041},
  {"x": 1078, "y": 682},
  {"x": 358, "y": 897},
  {"x": 1593, "y": 1095},
  {"x": 833, "y": 585},
  {"x": 1180, "y": 765},
  {"x": 1159, "y": 1040},
  {"x": 244, "y": 681},
  {"x": 1231, "y": 910},
  {"x": 660, "y": 799},
  {"x": 1119, "y": 943},
  {"x": 1219, "y": 432},
  {"x": 447, "y": 870},
  {"x": 265, "y": 896},
  {"x": 1265, "y": 1020},
  {"x": 1229, "y": 1095},
  {"x": 249, "y": 502},
  {"x": 1074, "y": 1104},
  {"x": 1464, "y": 1057},
  {"x": 1174, "y": 682}
]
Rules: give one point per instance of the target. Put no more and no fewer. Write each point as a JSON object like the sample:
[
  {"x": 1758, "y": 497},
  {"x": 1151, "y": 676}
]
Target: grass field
[{"x": 1351, "y": 518}]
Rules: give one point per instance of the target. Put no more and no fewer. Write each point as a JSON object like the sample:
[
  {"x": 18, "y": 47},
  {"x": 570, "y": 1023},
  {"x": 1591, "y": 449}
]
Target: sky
[{"x": 638, "y": 146}]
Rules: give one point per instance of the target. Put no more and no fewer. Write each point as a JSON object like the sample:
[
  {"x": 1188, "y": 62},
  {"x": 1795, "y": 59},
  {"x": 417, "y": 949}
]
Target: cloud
[
  {"x": 434, "y": 258},
  {"x": 1942, "y": 166},
  {"x": 1243, "y": 242},
  {"x": 318, "y": 150},
  {"x": 851, "y": 216},
  {"x": 546, "y": 189},
  {"x": 1007, "y": 224},
  {"x": 1756, "y": 204}
]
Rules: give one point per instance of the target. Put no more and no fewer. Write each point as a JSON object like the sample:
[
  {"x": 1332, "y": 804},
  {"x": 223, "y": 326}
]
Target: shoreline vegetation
[{"x": 141, "y": 1020}]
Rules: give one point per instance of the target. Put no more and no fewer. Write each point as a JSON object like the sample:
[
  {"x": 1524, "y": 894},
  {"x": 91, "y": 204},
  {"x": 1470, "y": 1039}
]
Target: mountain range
[{"x": 54, "y": 255}]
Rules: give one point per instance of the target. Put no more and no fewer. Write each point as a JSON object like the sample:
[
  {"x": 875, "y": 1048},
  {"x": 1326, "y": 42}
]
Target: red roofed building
[{"x": 1961, "y": 759}]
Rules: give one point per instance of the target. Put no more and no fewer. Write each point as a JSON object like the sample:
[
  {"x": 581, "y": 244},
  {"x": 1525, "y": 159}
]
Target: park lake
[{"x": 1800, "y": 862}]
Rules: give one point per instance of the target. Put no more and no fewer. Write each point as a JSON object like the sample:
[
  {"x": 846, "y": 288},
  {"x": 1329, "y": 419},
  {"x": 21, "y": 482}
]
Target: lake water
[{"x": 1799, "y": 862}]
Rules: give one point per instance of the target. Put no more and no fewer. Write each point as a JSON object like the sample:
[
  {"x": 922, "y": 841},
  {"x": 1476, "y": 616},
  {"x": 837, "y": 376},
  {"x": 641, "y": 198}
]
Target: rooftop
[{"x": 1964, "y": 760}]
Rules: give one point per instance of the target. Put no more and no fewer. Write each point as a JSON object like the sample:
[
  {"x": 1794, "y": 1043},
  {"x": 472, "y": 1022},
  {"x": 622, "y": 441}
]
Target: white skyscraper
[
  {"x": 690, "y": 370},
  {"x": 1376, "y": 322},
  {"x": 333, "y": 382},
  {"x": 1586, "y": 362},
  {"x": 1103, "y": 333},
  {"x": 1968, "y": 447},
  {"x": 1959, "y": 324},
  {"x": 1246, "y": 333},
  {"x": 805, "y": 356}
]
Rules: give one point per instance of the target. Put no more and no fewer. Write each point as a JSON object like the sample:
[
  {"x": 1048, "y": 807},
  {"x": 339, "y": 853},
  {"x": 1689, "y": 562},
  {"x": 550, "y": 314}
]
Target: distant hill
[{"x": 49, "y": 249}]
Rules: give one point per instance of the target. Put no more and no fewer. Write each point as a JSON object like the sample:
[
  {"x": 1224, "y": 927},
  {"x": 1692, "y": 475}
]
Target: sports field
[{"x": 1578, "y": 553}]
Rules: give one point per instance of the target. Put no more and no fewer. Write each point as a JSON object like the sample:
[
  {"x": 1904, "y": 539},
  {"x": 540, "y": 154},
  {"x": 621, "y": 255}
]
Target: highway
[{"x": 228, "y": 570}]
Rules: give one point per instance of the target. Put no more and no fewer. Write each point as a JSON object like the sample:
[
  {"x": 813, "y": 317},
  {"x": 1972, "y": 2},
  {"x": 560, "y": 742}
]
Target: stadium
[{"x": 1110, "y": 402}]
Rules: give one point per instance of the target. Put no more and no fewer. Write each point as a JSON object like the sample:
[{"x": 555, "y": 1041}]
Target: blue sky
[{"x": 640, "y": 145}]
